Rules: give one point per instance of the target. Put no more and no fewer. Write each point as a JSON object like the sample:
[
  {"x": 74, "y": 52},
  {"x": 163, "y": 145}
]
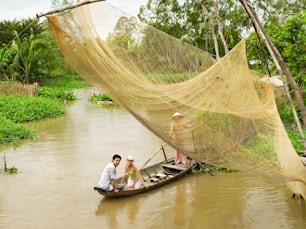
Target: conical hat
[{"x": 177, "y": 114}]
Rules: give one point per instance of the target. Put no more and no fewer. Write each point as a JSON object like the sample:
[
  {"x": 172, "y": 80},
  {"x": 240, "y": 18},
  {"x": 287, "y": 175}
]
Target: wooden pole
[
  {"x": 164, "y": 153},
  {"x": 158, "y": 151},
  {"x": 5, "y": 165},
  {"x": 281, "y": 66},
  {"x": 67, "y": 8}
]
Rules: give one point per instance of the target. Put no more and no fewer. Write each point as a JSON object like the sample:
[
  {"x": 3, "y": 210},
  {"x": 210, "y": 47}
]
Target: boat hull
[{"x": 154, "y": 176}]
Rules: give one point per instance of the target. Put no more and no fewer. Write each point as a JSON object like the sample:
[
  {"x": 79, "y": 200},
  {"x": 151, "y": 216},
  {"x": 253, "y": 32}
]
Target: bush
[
  {"x": 11, "y": 132},
  {"x": 295, "y": 139},
  {"x": 56, "y": 93},
  {"x": 66, "y": 82},
  {"x": 99, "y": 97},
  {"x": 286, "y": 114},
  {"x": 19, "y": 108}
]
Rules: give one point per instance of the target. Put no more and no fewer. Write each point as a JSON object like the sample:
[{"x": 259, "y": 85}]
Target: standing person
[
  {"x": 135, "y": 179},
  {"x": 108, "y": 176},
  {"x": 176, "y": 132}
]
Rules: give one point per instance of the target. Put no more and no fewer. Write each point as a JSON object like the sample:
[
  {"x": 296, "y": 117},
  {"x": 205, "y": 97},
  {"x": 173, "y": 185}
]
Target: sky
[{"x": 19, "y": 9}]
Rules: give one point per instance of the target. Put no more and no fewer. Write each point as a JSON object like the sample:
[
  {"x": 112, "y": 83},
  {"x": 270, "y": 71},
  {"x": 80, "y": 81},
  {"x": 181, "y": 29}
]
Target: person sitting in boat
[
  {"x": 135, "y": 179},
  {"x": 108, "y": 176},
  {"x": 176, "y": 133}
]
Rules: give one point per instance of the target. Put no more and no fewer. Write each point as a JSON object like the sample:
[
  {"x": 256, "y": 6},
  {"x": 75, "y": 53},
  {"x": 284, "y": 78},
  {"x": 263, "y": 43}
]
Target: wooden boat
[{"x": 154, "y": 176}]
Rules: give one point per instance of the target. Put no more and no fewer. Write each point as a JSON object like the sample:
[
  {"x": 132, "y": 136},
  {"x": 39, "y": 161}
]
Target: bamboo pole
[
  {"x": 281, "y": 66},
  {"x": 67, "y": 8}
]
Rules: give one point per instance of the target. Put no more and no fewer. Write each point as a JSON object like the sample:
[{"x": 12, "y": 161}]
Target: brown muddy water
[{"x": 57, "y": 172}]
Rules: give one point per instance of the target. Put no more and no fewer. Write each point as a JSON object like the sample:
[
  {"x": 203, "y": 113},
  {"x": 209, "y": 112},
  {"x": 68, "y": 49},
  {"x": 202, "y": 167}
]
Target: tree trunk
[
  {"x": 211, "y": 22},
  {"x": 220, "y": 31},
  {"x": 220, "y": 26}
]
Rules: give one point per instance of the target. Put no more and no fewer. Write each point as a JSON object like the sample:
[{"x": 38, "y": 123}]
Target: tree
[
  {"x": 165, "y": 15},
  {"x": 56, "y": 3},
  {"x": 24, "y": 28},
  {"x": 281, "y": 66},
  {"x": 26, "y": 54},
  {"x": 189, "y": 22},
  {"x": 290, "y": 38},
  {"x": 211, "y": 20},
  {"x": 125, "y": 33},
  {"x": 51, "y": 59},
  {"x": 277, "y": 11},
  {"x": 5, "y": 61}
]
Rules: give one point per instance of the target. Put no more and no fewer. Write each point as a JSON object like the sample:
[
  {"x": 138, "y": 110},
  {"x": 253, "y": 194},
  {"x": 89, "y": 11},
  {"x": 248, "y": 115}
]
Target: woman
[
  {"x": 177, "y": 134},
  {"x": 135, "y": 179}
]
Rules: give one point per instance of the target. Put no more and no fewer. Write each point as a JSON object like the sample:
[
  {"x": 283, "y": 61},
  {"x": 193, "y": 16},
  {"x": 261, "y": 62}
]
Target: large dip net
[{"x": 227, "y": 116}]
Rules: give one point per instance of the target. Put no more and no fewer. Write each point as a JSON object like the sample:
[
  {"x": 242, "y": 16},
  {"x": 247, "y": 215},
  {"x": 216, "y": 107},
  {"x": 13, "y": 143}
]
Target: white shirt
[{"x": 108, "y": 173}]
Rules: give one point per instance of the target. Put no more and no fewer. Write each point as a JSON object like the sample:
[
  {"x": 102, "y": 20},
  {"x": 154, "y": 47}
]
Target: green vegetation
[
  {"x": 61, "y": 87},
  {"x": 28, "y": 51},
  {"x": 286, "y": 114},
  {"x": 263, "y": 146},
  {"x": 11, "y": 170},
  {"x": 206, "y": 168},
  {"x": 56, "y": 93},
  {"x": 17, "y": 108},
  {"x": 99, "y": 97},
  {"x": 12, "y": 132},
  {"x": 69, "y": 81},
  {"x": 295, "y": 139},
  {"x": 21, "y": 108}
]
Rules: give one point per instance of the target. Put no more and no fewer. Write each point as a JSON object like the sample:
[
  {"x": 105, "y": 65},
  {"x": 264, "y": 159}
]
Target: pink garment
[
  {"x": 180, "y": 158},
  {"x": 134, "y": 183}
]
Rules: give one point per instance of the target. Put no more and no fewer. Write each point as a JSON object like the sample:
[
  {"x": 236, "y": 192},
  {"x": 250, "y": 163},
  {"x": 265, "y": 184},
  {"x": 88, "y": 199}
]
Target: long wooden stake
[
  {"x": 5, "y": 165},
  {"x": 67, "y": 8},
  {"x": 281, "y": 66}
]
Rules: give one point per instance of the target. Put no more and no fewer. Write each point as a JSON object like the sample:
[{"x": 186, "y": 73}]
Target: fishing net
[{"x": 227, "y": 116}]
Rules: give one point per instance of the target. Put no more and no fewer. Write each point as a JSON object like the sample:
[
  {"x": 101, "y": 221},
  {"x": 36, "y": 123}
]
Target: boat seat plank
[
  {"x": 161, "y": 175},
  {"x": 174, "y": 167},
  {"x": 154, "y": 179}
]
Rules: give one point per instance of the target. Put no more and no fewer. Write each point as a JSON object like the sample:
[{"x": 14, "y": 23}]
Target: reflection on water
[
  {"x": 109, "y": 210},
  {"x": 133, "y": 210},
  {"x": 118, "y": 212},
  {"x": 179, "y": 207},
  {"x": 204, "y": 201},
  {"x": 54, "y": 188}
]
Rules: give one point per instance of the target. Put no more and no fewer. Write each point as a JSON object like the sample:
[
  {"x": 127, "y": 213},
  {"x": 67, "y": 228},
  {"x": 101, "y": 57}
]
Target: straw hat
[
  {"x": 177, "y": 114},
  {"x": 130, "y": 158}
]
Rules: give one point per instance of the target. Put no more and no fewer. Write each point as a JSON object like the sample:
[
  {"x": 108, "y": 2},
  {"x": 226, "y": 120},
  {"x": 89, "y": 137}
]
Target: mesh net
[{"x": 228, "y": 117}]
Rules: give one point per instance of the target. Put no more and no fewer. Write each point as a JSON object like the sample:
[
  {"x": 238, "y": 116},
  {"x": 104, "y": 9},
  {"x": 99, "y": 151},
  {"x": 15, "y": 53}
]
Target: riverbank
[{"x": 21, "y": 103}]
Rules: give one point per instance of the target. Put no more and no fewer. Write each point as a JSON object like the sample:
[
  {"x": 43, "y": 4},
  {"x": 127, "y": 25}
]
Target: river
[{"x": 57, "y": 172}]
